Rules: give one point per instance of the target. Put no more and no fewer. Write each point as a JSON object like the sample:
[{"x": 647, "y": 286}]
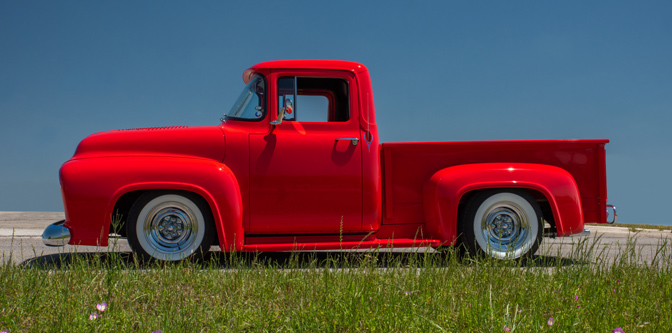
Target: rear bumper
[
  {"x": 613, "y": 213},
  {"x": 585, "y": 232},
  {"x": 56, "y": 234}
]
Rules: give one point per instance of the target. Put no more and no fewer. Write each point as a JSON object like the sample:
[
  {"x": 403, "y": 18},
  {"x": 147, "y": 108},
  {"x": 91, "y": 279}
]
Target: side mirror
[{"x": 289, "y": 108}]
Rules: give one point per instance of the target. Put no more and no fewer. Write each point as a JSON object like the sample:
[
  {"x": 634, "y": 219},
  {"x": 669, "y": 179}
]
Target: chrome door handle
[{"x": 354, "y": 141}]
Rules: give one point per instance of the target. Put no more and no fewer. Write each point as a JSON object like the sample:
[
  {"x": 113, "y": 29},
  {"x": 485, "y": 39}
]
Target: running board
[{"x": 368, "y": 244}]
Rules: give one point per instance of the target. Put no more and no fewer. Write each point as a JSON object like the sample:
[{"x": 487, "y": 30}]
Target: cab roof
[{"x": 342, "y": 65}]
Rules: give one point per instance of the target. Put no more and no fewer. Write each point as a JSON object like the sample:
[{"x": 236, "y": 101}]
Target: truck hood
[{"x": 204, "y": 142}]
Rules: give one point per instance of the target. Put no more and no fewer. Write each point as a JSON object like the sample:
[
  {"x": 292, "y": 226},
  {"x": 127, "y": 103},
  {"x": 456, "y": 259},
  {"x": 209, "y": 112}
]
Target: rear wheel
[
  {"x": 504, "y": 224},
  {"x": 170, "y": 226}
]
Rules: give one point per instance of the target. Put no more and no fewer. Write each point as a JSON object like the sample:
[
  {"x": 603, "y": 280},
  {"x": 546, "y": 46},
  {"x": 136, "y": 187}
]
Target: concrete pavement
[{"x": 20, "y": 237}]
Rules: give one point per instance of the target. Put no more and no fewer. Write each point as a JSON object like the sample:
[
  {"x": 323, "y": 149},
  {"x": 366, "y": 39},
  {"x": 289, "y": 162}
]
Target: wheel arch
[
  {"x": 224, "y": 208},
  {"x": 124, "y": 203},
  {"x": 449, "y": 189},
  {"x": 540, "y": 198}
]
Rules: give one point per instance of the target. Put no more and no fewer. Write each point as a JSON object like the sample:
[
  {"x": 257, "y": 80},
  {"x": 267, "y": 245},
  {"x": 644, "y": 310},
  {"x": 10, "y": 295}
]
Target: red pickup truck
[{"x": 296, "y": 165}]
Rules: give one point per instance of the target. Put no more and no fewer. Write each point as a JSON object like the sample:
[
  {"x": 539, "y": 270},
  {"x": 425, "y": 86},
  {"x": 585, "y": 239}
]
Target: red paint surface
[{"x": 294, "y": 185}]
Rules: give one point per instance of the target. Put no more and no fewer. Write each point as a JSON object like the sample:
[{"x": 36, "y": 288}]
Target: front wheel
[
  {"x": 169, "y": 226},
  {"x": 503, "y": 224}
]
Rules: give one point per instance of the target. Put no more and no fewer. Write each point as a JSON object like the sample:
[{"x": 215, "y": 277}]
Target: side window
[
  {"x": 309, "y": 99},
  {"x": 314, "y": 107}
]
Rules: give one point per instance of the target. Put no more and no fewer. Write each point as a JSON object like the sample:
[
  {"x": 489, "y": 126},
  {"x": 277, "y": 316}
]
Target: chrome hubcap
[
  {"x": 505, "y": 227},
  {"x": 170, "y": 227}
]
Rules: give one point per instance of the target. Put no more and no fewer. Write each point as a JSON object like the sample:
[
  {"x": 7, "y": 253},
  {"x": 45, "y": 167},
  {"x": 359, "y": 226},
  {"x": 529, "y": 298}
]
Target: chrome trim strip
[{"x": 56, "y": 234}]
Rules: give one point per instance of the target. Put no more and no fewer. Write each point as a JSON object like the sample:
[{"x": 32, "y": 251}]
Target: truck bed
[{"x": 407, "y": 166}]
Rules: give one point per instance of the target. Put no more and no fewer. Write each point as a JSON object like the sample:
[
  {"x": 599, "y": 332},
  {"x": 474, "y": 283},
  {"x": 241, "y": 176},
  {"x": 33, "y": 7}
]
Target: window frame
[
  {"x": 264, "y": 102},
  {"x": 350, "y": 90}
]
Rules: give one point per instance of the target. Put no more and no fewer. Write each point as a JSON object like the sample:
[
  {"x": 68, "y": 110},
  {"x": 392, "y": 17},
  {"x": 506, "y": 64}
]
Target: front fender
[
  {"x": 91, "y": 187},
  {"x": 444, "y": 190}
]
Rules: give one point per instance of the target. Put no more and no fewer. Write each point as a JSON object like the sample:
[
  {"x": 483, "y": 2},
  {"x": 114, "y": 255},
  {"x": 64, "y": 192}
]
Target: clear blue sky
[{"x": 442, "y": 71}]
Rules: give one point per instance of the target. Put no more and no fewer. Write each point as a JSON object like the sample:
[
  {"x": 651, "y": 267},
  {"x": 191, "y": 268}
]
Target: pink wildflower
[
  {"x": 93, "y": 316},
  {"x": 101, "y": 307},
  {"x": 550, "y": 321}
]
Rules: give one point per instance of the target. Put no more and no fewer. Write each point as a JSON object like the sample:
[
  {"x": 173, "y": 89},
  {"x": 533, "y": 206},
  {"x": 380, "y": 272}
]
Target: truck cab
[{"x": 309, "y": 144}]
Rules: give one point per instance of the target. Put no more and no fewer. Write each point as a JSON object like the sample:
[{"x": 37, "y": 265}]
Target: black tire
[
  {"x": 170, "y": 226},
  {"x": 503, "y": 224}
]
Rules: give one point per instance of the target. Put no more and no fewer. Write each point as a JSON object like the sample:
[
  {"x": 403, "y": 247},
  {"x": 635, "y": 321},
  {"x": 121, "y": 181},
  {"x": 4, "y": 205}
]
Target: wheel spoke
[{"x": 170, "y": 227}]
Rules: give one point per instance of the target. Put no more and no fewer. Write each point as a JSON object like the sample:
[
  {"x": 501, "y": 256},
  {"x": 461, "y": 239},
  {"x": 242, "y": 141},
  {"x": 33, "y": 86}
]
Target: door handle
[{"x": 354, "y": 141}]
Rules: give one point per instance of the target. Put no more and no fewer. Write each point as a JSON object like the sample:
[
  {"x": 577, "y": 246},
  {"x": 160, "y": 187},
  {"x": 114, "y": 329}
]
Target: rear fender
[
  {"x": 91, "y": 188},
  {"x": 444, "y": 190}
]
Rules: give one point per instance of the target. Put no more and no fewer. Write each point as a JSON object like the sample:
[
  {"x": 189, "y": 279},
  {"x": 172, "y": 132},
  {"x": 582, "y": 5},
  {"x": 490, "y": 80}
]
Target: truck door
[{"x": 306, "y": 172}]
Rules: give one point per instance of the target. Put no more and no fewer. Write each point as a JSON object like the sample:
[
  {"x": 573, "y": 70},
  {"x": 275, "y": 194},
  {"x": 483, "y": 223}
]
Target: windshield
[{"x": 250, "y": 103}]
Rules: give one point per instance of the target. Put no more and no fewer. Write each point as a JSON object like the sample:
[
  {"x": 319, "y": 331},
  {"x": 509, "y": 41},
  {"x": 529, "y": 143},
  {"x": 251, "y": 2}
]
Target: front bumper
[{"x": 56, "y": 234}]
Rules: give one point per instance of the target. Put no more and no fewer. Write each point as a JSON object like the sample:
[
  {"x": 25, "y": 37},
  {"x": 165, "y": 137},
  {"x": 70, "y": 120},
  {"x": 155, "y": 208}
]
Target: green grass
[{"x": 340, "y": 292}]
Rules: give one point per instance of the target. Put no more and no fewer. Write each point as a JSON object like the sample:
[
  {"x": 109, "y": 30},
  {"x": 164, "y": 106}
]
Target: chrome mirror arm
[{"x": 280, "y": 116}]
